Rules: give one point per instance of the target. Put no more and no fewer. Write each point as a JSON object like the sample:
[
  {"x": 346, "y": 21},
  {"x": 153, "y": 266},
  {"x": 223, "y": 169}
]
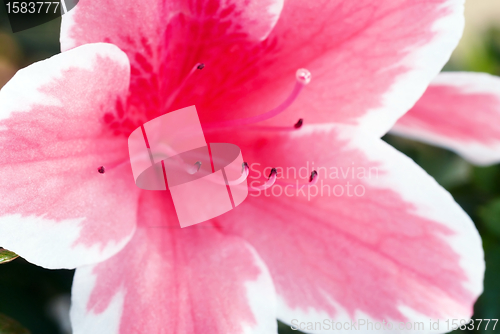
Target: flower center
[{"x": 302, "y": 78}]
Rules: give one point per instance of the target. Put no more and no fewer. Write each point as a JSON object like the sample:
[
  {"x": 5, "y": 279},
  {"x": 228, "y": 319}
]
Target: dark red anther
[
  {"x": 273, "y": 171},
  {"x": 313, "y": 175},
  {"x": 243, "y": 166},
  {"x": 299, "y": 123},
  {"x": 200, "y": 66},
  {"x": 101, "y": 170}
]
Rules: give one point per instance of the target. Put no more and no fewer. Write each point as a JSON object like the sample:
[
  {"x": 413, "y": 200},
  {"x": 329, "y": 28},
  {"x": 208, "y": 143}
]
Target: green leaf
[
  {"x": 490, "y": 214},
  {"x": 7, "y": 256},
  {"x": 10, "y": 326},
  {"x": 485, "y": 178}
]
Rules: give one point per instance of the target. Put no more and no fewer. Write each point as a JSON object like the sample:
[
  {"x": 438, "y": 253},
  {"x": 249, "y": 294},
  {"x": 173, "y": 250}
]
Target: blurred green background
[{"x": 39, "y": 298}]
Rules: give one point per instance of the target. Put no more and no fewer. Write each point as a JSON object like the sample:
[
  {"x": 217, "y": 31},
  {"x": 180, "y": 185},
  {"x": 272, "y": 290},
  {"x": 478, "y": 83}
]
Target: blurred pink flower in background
[
  {"x": 458, "y": 111},
  {"x": 401, "y": 251}
]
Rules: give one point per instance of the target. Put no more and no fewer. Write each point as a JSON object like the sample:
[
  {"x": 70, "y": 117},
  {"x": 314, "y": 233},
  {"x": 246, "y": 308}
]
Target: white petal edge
[
  {"x": 83, "y": 321},
  {"x": 258, "y": 295},
  {"x": 272, "y": 13},
  {"x": 30, "y": 78},
  {"x": 28, "y": 235},
  {"x": 424, "y": 62},
  {"x": 433, "y": 202}
]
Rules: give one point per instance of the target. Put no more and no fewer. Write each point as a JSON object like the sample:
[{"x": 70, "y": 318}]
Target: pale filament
[
  {"x": 269, "y": 183},
  {"x": 303, "y": 77},
  {"x": 175, "y": 93},
  {"x": 313, "y": 180}
]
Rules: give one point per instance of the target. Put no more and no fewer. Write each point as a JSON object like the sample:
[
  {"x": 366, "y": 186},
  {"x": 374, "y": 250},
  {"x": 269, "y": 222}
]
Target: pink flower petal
[
  {"x": 380, "y": 240},
  {"x": 57, "y": 210},
  {"x": 459, "y": 111},
  {"x": 370, "y": 60},
  {"x": 171, "y": 280},
  {"x": 140, "y": 23}
]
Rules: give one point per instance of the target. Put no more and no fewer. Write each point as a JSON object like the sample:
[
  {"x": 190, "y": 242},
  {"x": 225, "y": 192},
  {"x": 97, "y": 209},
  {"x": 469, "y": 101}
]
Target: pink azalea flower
[
  {"x": 400, "y": 249},
  {"x": 458, "y": 111}
]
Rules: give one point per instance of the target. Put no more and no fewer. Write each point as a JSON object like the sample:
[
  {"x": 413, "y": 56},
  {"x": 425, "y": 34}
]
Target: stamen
[
  {"x": 113, "y": 166},
  {"x": 303, "y": 77},
  {"x": 175, "y": 93},
  {"x": 191, "y": 169},
  {"x": 195, "y": 168},
  {"x": 273, "y": 172},
  {"x": 299, "y": 123},
  {"x": 314, "y": 176},
  {"x": 244, "y": 168},
  {"x": 313, "y": 179},
  {"x": 244, "y": 174},
  {"x": 268, "y": 183},
  {"x": 268, "y": 128}
]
